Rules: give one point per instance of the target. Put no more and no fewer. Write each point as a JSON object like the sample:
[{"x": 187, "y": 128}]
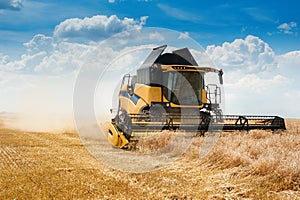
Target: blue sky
[
  {"x": 208, "y": 22},
  {"x": 255, "y": 42}
]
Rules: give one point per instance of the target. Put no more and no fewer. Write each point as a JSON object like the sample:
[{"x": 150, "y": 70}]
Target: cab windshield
[{"x": 183, "y": 88}]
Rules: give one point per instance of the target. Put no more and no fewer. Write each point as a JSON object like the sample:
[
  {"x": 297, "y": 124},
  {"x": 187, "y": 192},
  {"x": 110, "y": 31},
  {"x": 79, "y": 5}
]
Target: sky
[{"x": 45, "y": 44}]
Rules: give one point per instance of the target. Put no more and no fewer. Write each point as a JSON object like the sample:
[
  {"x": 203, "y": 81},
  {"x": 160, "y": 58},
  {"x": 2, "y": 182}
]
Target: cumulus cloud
[
  {"x": 96, "y": 27},
  {"x": 67, "y": 58},
  {"x": 251, "y": 54},
  {"x": 287, "y": 28},
  {"x": 60, "y": 54},
  {"x": 290, "y": 60},
  {"x": 256, "y": 80},
  {"x": 288, "y": 65},
  {"x": 64, "y": 58},
  {"x": 11, "y": 4},
  {"x": 26, "y": 64},
  {"x": 39, "y": 43}
]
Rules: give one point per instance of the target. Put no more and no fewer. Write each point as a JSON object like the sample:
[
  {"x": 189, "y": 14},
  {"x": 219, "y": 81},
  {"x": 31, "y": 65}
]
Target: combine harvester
[{"x": 169, "y": 92}]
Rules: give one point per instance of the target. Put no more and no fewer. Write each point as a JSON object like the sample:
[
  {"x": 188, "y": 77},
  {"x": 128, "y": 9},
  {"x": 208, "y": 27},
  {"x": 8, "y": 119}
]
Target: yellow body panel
[
  {"x": 173, "y": 105},
  {"x": 129, "y": 105},
  {"x": 115, "y": 137},
  {"x": 204, "y": 96},
  {"x": 148, "y": 93},
  {"x": 145, "y": 95}
]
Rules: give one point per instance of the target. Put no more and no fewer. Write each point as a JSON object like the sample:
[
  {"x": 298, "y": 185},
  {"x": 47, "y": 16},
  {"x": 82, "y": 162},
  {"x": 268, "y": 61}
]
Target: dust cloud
[
  {"x": 44, "y": 106},
  {"x": 40, "y": 122}
]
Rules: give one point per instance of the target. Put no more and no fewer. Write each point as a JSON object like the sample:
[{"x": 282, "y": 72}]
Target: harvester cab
[{"x": 169, "y": 91}]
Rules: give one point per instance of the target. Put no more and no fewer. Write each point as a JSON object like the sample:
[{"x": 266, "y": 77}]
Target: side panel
[
  {"x": 148, "y": 93},
  {"x": 143, "y": 96},
  {"x": 204, "y": 96},
  {"x": 132, "y": 104}
]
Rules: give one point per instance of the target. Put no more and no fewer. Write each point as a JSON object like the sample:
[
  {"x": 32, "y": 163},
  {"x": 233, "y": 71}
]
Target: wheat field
[{"x": 243, "y": 165}]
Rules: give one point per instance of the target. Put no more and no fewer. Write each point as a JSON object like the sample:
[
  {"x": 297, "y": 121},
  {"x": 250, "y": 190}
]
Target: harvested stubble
[{"x": 253, "y": 165}]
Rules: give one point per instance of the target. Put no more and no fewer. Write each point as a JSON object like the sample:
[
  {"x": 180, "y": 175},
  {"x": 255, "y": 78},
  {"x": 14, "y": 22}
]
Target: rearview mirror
[{"x": 221, "y": 76}]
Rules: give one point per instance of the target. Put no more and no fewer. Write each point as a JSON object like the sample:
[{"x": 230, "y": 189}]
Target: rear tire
[{"x": 157, "y": 113}]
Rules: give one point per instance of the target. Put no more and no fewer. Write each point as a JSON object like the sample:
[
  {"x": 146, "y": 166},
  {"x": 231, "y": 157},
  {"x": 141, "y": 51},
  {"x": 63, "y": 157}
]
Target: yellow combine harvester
[{"x": 169, "y": 92}]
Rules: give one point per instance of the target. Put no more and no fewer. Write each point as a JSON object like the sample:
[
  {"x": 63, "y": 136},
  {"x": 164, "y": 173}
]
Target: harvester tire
[{"x": 157, "y": 113}]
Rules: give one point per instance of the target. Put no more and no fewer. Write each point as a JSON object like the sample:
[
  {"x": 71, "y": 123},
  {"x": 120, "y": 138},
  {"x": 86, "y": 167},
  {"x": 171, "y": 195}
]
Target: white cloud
[
  {"x": 37, "y": 60},
  {"x": 96, "y": 28},
  {"x": 3, "y": 59},
  {"x": 111, "y": 1},
  {"x": 256, "y": 80},
  {"x": 54, "y": 55},
  {"x": 287, "y": 28},
  {"x": 259, "y": 93},
  {"x": 26, "y": 64},
  {"x": 289, "y": 65},
  {"x": 11, "y": 4},
  {"x": 39, "y": 43},
  {"x": 184, "y": 35},
  {"x": 256, "y": 83},
  {"x": 289, "y": 60},
  {"x": 251, "y": 54},
  {"x": 69, "y": 57}
]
